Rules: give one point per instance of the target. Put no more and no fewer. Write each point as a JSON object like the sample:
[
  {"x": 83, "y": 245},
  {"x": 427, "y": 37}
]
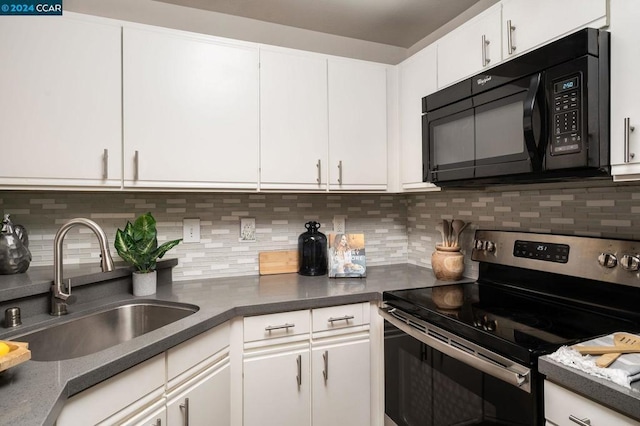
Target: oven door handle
[{"x": 513, "y": 374}]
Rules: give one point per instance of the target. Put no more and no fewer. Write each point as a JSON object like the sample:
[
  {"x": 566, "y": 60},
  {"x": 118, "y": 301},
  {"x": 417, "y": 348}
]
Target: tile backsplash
[
  {"x": 279, "y": 218},
  {"x": 398, "y": 228}
]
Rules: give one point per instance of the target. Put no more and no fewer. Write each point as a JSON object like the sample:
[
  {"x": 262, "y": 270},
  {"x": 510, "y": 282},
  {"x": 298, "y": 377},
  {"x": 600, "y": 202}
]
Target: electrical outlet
[
  {"x": 339, "y": 224},
  {"x": 191, "y": 230}
]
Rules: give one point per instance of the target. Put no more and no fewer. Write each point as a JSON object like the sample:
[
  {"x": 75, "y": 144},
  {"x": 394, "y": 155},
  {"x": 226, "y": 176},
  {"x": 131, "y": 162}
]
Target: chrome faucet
[{"x": 59, "y": 298}]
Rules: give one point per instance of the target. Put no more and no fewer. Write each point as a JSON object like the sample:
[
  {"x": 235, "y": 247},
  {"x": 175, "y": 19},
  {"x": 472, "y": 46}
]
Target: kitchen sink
[{"x": 101, "y": 330}]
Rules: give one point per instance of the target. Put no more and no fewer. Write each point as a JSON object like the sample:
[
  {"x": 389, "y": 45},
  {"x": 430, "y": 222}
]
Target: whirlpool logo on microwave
[
  {"x": 31, "y": 7},
  {"x": 483, "y": 80}
]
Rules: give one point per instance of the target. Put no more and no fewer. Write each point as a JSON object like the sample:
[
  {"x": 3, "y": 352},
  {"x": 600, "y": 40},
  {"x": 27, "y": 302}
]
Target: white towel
[{"x": 623, "y": 371}]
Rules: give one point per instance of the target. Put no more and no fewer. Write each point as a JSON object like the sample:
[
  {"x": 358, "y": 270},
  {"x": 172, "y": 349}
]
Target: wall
[
  {"x": 600, "y": 209},
  {"x": 280, "y": 219}
]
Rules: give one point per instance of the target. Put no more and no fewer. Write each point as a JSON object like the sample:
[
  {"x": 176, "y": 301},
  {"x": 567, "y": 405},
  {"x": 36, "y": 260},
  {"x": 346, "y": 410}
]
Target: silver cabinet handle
[
  {"x": 319, "y": 166},
  {"x": 628, "y": 128},
  {"x": 325, "y": 372},
  {"x": 286, "y": 326},
  {"x": 485, "y": 46},
  {"x": 185, "y": 412},
  {"x": 340, "y": 172},
  {"x": 344, "y": 318},
  {"x": 136, "y": 165},
  {"x": 105, "y": 164},
  {"x": 299, "y": 370},
  {"x": 581, "y": 422},
  {"x": 510, "y": 46}
]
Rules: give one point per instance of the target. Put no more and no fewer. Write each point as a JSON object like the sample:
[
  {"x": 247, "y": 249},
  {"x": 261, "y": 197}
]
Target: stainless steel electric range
[{"x": 475, "y": 362}]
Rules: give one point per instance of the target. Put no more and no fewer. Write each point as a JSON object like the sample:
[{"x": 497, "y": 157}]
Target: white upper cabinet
[
  {"x": 60, "y": 116},
  {"x": 625, "y": 108},
  {"x": 470, "y": 48},
  {"x": 293, "y": 121},
  {"x": 528, "y": 24},
  {"x": 417, "y": 80},
  {"x": 357, "y": 125},
  {"x": 190, "y": 111}
]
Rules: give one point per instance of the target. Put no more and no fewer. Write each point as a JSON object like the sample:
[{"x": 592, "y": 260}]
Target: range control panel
[
  {"x": 548, "y": 252},
  {"x": 567, "y": 137},
  {"x": 602, "y": 259}
]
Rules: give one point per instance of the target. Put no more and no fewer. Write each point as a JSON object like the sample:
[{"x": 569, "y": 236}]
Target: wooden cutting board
[
  {"x": 278, "y": 262},
  {"x": 19, "y": 353}
]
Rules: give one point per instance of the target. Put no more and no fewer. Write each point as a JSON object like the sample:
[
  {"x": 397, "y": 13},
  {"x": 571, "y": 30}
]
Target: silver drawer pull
[
  {"x": 581, "y": 422},
  {"x": 105, "y": 164},
  {"x": 344, "y": 318},
  {"x": 286, "y": 326},
  {"x": 325, "y": 372},
  {"x": 185, "y": 412}
]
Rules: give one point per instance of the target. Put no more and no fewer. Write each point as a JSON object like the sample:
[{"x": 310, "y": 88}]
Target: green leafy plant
[{"x": 138, "y": 243}]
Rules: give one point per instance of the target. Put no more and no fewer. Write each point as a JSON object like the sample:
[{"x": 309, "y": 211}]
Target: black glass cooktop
[{"x": 515, "y": 324}]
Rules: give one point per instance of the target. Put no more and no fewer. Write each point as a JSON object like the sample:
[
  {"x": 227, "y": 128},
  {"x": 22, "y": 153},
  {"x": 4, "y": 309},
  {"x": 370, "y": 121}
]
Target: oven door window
[{"x": 424, "y": 387}]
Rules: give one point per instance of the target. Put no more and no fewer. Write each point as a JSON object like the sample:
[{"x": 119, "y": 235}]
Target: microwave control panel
[{"x": 567, "y": 137}]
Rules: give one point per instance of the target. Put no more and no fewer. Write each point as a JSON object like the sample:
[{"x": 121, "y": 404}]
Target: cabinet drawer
[
  {"x": 188, "y": 354},
  {"x": 561, "y": 403},
  {"x": 341, "y": 316},
  {"x": 276, "y": 325}
]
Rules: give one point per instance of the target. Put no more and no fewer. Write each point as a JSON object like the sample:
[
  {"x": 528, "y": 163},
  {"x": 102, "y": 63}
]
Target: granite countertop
[
  {"x": 605, "y": 392},
  {"x": 34, "y": 392}
]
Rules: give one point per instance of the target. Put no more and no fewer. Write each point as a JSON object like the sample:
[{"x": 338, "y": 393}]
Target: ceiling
[{"x": 399, "y": 23}]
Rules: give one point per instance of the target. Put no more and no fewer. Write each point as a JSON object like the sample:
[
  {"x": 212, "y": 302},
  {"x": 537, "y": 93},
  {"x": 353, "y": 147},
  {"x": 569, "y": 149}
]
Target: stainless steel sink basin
[{"x": 103, "y": 329}]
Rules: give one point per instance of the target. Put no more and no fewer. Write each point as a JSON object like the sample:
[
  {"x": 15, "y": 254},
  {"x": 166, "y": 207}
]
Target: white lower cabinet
[
  {"x": 188, "y": 385},
  {"x": 308, "y": 367},
  {"x": 106, "y": 403},
  {"x": 563, "y": 407},
  {"x": 203, "y": 400},
  {"x": 341, "y": 380},
  {"x": 277, "y": 386}
]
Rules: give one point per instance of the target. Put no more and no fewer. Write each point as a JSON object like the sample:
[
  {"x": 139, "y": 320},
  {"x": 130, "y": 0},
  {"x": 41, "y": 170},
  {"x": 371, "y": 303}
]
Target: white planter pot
[{"x": 144, "y": 284}]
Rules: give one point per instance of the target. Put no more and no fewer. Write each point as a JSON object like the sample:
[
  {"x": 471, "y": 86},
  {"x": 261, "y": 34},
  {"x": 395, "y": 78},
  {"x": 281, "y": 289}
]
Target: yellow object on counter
[{"x": 4, "y": 348}]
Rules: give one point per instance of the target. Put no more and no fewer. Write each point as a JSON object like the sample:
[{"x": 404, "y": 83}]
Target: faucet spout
[{"x": 59, "y": 297}]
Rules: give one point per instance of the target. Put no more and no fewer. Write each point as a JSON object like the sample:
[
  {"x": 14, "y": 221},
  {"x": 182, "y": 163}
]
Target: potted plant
[{"x": 138, "y": 246}]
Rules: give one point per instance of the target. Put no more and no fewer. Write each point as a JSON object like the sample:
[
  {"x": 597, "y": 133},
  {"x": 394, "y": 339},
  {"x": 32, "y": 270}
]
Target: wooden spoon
[
  {"x": 618, "y": 339},
  {"x": 441, "y": 229},
  {"x": 447, "y": 231},
  {"x": 458, "y": 226},
  {"x": 633, "y": 347}
]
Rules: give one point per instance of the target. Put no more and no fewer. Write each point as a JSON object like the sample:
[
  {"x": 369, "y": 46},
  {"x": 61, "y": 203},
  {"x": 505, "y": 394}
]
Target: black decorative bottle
[{"x": 312, "y": 248}]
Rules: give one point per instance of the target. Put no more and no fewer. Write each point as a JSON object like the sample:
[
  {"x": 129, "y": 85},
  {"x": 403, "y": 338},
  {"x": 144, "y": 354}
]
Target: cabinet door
[
  {"x": 470, "y": 48},
  {"x": 562, "y": 406},
  {"x": 190, "y": 111},
  {"x": 204, "y": 400},
  {"x": 417, "y": 80},
  {"x": 293, "y": 121},
  {"x": 625, "y": 109},
  {"x": 535, "y": 23},
  {"x": 357, "y": 125},
  {"x": 277, "y": 389},
  {"x": 60, "y": 108},
  {"x": 341, "y": 384}
]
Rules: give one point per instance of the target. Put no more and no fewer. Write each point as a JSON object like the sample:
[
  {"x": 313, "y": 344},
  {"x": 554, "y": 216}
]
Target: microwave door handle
[{"x": 533, "y": 118}]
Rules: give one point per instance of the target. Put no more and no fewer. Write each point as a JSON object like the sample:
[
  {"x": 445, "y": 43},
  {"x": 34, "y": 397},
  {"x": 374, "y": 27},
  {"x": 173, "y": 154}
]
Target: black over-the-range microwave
[{"x": 541, "y": 116}]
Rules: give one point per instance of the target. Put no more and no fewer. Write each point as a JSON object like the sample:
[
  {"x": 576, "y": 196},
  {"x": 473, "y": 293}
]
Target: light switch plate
[{"x": 191, "y": 230}]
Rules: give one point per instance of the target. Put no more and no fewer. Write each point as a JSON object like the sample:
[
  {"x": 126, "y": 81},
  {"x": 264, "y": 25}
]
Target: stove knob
[
  {"x": 630, "y": 262},
  {"x": 479, "y": 244},
  {"x": 608, "y": 260},
  {"x": 491, "y": 246}
]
